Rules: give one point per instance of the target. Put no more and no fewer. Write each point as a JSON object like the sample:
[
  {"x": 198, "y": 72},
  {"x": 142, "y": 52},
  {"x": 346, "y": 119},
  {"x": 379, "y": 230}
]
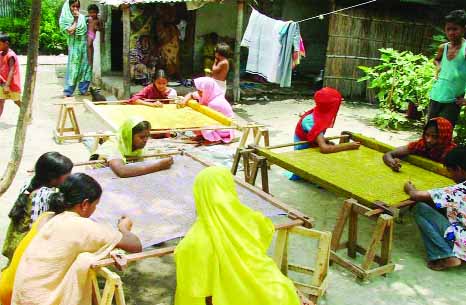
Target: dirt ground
[{"x": 153, "y": 281}]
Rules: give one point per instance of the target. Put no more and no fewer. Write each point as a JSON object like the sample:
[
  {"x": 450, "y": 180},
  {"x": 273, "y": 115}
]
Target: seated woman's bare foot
[{"x": 444, "y": 263}]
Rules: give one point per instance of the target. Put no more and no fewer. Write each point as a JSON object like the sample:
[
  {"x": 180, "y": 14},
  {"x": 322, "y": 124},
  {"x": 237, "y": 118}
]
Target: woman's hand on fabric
[
  {"x": 409, "y": 187},
  {"x": 157, "y": 104},
  {"x": 166, "y": 163},
  {"x": 394, "y": 164},
  {"x": 354, "y": 145},
  {"x": 125, "y": 224}
]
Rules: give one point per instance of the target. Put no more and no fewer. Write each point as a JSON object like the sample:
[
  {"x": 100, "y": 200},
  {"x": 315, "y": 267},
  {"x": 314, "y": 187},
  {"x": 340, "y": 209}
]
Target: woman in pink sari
[{"x": 211, "y": 95}]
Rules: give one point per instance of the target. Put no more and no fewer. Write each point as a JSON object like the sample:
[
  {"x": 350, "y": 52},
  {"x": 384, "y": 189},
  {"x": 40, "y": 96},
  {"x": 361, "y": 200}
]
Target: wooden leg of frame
[
  {"x": 244, "y": 137},
  {"x": 236, "y": 161},
  {"x": 60, "y": 116},
  {"x": 340, "y": 225},
  {"x": 280, "y": 255},
  {"x": 377, "y": 236},
  {"x": 74, "y": 121},
  {"x": 62, "y": 123},
  {"x": 120, "y": 295},
  {"x": 245, "y": 153},
  {"x": 254, "y": 169},
  {"x": 265, "y": 135},
  {"x": 352, "y": 233},
  {"x": 265, "y": 175},
  {"x": 387, "y": 241}
]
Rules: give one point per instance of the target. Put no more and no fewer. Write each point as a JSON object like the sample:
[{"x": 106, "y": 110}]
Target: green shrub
[
  {"x": 51, "y": 40},
  {"x": 460, "y": 129},
  {"x": 401, "y": 78}
]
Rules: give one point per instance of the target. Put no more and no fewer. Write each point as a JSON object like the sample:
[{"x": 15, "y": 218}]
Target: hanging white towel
[{"x": 262, "y": 37}]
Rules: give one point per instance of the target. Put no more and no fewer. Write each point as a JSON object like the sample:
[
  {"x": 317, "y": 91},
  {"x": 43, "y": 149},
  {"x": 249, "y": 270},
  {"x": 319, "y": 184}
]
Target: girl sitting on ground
[
  {"x": 222, "y": 259},
  {"x": 51, "y": 170},
  {"x": 436, "y": 143},
  {"x": 210, "y": 94},
  {"x": 130, "y": 141},
  {"x": 444, "y": 235},
  {"x": 158, "y": 90},
  {"x": 54, "y": 268}
]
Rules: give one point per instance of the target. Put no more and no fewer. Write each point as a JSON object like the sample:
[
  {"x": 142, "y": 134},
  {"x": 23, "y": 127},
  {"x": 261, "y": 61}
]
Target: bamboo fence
[{"x": 356, "y": 35}]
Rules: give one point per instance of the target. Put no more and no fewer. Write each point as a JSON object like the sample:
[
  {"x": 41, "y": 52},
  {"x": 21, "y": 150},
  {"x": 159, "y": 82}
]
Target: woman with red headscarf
[
  {"x": 436, "y": 143},
  {"x": 313, "y": 123}
]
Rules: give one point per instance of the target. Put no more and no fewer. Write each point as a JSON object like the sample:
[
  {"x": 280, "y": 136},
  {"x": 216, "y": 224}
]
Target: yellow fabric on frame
[
  {"x": 360, "y": 174},
  {"x": 167, "y": 117}
]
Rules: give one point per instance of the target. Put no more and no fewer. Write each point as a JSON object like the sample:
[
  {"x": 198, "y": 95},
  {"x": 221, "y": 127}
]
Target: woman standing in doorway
[{"x": 78, "y": 70}]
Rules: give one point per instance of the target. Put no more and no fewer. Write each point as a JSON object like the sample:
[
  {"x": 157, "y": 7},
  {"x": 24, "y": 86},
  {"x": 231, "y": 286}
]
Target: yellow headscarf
[{"x": 224, "y": 253}]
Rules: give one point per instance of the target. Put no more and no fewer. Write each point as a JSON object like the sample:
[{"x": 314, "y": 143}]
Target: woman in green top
[
  {"x": 50, "y": 171},
  {"x": 447, "y": 94},
  {"x": 78, "y": 70}
]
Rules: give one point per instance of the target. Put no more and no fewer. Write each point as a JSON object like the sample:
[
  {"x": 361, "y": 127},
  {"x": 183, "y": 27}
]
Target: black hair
[
  {"x": 74, "y": 1},
  {"x": 144, "y": 125},
  {"x": 430, "y": 124},
  {"x": 456, "y": 158},
  {"x": 223, "y": 49},
  {"x": 457, "y": 17},
  {"x": 49, "y": 166},
  {"x": 93, "y": 7},
  {"x": 159, "y": 74},
  {"x": 76, "y": 188},
  {"x": 4, "y": 37}
]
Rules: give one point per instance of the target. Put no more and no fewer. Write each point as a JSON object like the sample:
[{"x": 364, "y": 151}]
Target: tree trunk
[
  {"x": 26, "y": 103},
  {"x": 237, "y": 56}
]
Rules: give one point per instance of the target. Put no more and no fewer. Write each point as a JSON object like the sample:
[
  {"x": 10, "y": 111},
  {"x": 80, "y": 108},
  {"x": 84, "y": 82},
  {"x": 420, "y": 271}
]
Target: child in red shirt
[{"x": 10, "y": 84}]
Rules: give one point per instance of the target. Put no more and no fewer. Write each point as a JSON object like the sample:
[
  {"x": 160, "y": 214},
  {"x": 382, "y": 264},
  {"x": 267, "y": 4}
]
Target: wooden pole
[
  {"x": 126, "y": 41},
  {"x": 239, "y": 33},
  {"x": 26, "y": 103}
]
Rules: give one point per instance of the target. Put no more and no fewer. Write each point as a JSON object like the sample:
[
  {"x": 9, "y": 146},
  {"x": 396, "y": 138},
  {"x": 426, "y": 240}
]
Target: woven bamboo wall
[{"x": 356, "y": 35}]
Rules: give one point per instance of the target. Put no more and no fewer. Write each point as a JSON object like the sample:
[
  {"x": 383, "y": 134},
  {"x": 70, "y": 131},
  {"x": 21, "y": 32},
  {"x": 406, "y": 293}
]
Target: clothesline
[{"x": 333, "y": 12}]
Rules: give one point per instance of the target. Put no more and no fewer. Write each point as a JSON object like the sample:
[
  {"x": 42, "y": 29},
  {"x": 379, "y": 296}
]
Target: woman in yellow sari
[{"x": 222, "y": 260}]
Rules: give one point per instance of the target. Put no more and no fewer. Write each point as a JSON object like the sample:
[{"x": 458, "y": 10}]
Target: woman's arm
[
  {"x": 129, "y": 242},
  {"x": 73, "y": 26},
  {"x": 417, "y": 195},
  {"x": 392, "y": 158},
  {"x": 329, "y": 149},
  {"x": 11, "y": 64},
  {"x": 187, "y": 97},
  {"x": 123, "y": 170},
  {"x": 150, "y": 104},
  {"x": 438, "y": 59}
]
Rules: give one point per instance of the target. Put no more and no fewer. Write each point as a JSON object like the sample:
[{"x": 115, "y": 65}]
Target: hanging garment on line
[
  {"x": 262, "y": 37},
  {"x": 290, "y": 42}
]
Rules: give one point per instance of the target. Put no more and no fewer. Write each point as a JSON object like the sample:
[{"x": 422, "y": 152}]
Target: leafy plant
[
  {"x": 460, "y": 129},
  {"x": 52, "y": 41},
  {"x": 437, "y": 39},
  {"x": 401, "y": 78}
]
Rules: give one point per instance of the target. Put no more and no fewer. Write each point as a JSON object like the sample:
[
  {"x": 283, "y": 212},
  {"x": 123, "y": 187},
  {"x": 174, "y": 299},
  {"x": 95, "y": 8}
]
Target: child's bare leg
[
  {"x": 90, "y": 50},
  {"x": 2, "y": 103}
]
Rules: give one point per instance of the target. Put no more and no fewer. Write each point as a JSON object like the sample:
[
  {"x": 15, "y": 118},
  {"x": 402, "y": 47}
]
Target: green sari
[{"x": 78, "y": 70}]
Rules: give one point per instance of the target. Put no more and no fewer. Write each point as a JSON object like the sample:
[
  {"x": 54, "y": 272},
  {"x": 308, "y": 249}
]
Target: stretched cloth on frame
[
  {"x": 161, "y": 204},
  {"x": 167, "y": 117},
  {"x": 359, "y": 174}
]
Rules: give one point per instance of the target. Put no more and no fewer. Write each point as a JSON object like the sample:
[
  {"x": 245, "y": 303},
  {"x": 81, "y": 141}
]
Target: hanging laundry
[
  {"x": 298, "y": 54},
  {"x": 262, "y": 37},
  {"x": 290, "y": 43}
]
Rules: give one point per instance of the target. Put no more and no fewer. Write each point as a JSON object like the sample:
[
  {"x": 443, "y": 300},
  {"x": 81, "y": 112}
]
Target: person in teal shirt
[{"x": 447, "y": 94}]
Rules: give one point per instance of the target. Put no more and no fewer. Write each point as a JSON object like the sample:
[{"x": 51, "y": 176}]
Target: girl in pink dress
[{"x": 211, "y": 95}]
